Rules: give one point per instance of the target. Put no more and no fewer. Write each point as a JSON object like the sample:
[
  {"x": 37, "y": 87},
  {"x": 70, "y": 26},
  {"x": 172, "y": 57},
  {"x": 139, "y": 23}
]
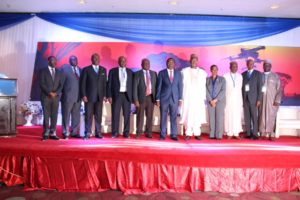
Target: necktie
[
  {"x": 171, "y": 76},
  {"x": 248, "y": 74},
  {"x": 53, "y": 73},
  {"x": 148, "y": 82},
  {"x": 96, "y": 69},
  {"x": 75, "y": 72}
]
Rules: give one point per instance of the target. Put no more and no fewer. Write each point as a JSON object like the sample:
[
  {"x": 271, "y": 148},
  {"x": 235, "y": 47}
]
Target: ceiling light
[
  {"x": 173, "y": 3},
  {"x": 82, "y": 2},
  {"x": 275, "y": 6}
]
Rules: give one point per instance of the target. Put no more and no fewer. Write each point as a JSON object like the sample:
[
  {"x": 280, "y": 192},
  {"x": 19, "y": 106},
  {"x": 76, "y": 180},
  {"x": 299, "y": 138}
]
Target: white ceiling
[{"x": 256, "y": 8}]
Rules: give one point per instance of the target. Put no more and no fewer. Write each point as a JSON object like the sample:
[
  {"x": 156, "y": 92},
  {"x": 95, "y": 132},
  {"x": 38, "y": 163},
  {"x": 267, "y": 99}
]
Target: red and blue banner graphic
[{"x": 285, "y": 60}]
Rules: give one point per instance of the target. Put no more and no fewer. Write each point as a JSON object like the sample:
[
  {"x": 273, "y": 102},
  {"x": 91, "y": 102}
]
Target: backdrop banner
[{"x": 285, "y": 60}]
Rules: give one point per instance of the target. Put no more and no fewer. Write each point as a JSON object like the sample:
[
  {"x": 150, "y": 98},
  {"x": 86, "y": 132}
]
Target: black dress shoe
[
  {"x": 174, "y": 138},
  {"x": 162, "y": 138},
  {"x": 149, "y": 136},
  {"x": 115, "y": 136},
  {"x": 53, "y": 137},
  {"x": 187, "y": 137},
  {"x": 86, "y": 137},
  {"x": 254, "y": 137},
  {"x": 45, "y": 137},
  {"x": 65, "y": 137},
  {"x": 212, "y": 138},
  {"x": 75, "y": 136},
  {"x": 248, "y": 137},
  {"x": 137, "y": 136},
  {"x": 99, "y": 136},
  {"x": 219, "y": 138},
  {"x": 126, "y": 136},
  {"x": 198, "y": 138}
]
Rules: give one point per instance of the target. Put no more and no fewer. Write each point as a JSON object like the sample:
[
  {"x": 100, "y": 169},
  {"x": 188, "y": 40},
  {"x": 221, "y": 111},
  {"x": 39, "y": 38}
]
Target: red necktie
[
  {"x": 148, "y": 82},
  {"x": 171, "y": 76}
]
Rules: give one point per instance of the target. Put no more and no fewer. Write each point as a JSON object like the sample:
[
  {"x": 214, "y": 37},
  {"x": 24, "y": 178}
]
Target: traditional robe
[
  {"x": 234, "y": 104},
  {"x": 194, "y": 95},
  {"x": 272, "y": 92}
]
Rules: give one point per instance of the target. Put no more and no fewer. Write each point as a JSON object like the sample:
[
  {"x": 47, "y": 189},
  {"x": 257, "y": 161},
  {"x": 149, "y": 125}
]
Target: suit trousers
[
  {"x": 170, "y": 107},
  {"x": 70, "y": 109},
  {"x": 93, "y": 109},
  {"x": 146, "y": 107},
  {"x": 118, "y": 103},
  {"x": 50, "y": 110},
  {"x": 216, "y": 120},
  {"x": 251, "y": 118}
]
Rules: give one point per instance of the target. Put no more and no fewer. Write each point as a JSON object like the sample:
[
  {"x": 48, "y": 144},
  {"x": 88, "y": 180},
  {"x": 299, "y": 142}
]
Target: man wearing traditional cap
[{"x": 272, "y": 92}]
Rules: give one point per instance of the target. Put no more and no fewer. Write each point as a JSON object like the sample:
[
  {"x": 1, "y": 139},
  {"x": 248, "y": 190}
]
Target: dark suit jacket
[
  {"x": 139, "y": 86},
  {"x": 71, "y": 89},
  {"x": 220, "y": 89},
  {"x": 165, "y": 90},
  {"x": 113, "y": 86},
  {"x": 47, "y": 85},
  {"x": 255, "y": 84},
  {"x": 93, "y": 85}
]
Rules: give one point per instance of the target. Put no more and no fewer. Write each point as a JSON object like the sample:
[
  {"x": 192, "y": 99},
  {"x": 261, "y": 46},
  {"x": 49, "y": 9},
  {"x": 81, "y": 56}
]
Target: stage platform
[{"x": 149, "y": 165}]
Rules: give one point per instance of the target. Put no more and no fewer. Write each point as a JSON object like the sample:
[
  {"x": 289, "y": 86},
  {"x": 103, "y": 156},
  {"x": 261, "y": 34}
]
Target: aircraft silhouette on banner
[{"x": 248, "y": 53}]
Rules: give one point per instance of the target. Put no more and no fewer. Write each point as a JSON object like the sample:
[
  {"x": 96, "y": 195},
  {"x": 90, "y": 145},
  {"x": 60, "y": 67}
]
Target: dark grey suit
[
  {"x": 146, "y": 102},
  {"x": 250, "y": 99},
  {"x": 216, "y": 114},
  {"x": 50, "y": 105},
  {"x": 71, "y": 100}
]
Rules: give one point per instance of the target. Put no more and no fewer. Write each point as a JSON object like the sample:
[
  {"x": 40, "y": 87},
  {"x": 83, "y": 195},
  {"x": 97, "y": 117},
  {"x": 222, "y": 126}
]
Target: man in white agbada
[
  {"x": 234, "y": 102},
  {"x": 194, "y": 95}
]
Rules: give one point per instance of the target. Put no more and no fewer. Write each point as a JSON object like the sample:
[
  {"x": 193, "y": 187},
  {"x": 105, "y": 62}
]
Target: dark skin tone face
[
  {"x": 170, "y": 64},
  {"x": 52, "y": 62},
  {"x": 73, "y": 61},
  {"x": 194, "y": 62},
  {"x": 122, "y": 61},
  {"x": 95, "y": 59},
  {"x": 146, "y": 64},
  {"x": 214, "y": 71},
  {"x": 250, "y": 64},
  {"x": 233, "y": 67},
  {"x": 267, "y": 67}
]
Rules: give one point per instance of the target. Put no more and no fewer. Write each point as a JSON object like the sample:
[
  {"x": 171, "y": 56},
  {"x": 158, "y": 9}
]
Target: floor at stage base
[{"x": 149, "y": 165}]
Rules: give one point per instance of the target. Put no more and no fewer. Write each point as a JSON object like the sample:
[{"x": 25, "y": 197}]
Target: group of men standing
[{"x": 186, "y": 93}]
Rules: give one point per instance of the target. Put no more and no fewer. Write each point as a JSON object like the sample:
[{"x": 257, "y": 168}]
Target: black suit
[
  {"x": 93, "y": 86},
  {"x": 250, "y": 99},
  {"x": 50, "y": 105},
  {"x": 120, "y": 99},
  {"x": 146, "y": 102}
]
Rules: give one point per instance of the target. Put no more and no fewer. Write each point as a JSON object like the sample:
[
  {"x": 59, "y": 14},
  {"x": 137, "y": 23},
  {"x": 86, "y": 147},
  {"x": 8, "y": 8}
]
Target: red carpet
[{"x": 149, "y": 165}]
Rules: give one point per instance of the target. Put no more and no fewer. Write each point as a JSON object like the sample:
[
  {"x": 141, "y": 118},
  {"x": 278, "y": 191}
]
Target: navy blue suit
[{"x": 168, "y": 93}]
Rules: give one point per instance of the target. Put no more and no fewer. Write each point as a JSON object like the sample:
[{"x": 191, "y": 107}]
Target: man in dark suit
[
  {"x": 119, "y": 93},
  {"x": 51, "y": 84},
  {"x": 93, "y": 91},
  {"x": 169, "y": 97},
  {"x": 251, "y": 89},
  {"x": 144, "y": 97},
  {"x": 71, "y": 100}
]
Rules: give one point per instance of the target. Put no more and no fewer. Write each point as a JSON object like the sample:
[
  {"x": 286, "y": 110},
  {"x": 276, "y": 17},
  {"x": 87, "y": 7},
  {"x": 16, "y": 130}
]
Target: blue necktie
[{"x": 248, "y": 75}]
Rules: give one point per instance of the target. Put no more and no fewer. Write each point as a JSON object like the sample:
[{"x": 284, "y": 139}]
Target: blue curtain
[
  {"x": 9, "y": 19},
  {"x": 192, "y": 30}
]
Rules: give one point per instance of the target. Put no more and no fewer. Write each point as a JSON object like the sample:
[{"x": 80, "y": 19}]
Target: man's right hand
[
  {"x": 109, "y": 100},
  {"x": 158, "y": 103},
  {"x": 85, "y": 99},
  {"x": 137, "y": 104}
]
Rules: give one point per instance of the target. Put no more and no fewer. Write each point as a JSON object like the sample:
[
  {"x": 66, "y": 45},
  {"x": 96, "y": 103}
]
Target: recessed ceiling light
[
  {"x": 173, "y": 3},
  {"x": 82, "y": 2},
  {"x": 275, "y": 6}
]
